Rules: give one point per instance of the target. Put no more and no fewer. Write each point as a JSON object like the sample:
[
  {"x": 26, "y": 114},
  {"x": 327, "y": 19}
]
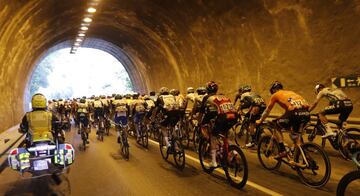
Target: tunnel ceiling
[{"x": 180, "y": 43}]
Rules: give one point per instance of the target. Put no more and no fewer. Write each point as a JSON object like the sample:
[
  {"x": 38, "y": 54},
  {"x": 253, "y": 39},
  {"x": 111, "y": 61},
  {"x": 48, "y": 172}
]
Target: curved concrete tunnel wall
[{"x": 186, "y": 43}]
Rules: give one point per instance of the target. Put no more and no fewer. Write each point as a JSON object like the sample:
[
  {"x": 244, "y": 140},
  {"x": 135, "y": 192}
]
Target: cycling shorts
[
  {"x": 293, "y": 119},
  {"x": 343, "y": 107}
]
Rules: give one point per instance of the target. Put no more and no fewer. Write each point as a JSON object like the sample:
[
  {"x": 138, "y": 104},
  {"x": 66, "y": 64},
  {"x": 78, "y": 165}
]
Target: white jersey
[
  {"x": 120, "y": 106},
  {"x": 82, "y": 108},
  {"x": 333, "y": 95}
]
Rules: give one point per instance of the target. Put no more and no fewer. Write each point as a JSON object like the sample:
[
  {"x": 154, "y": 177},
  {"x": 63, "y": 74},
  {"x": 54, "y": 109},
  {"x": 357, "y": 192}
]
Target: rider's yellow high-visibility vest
[{"x": 40, "y": 125}]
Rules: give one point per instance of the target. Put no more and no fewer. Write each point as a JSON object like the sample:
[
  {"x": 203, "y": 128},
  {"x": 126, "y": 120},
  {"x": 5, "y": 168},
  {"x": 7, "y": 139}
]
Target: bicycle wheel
[
  {"x": 179, "y": 154},
  {"x": 350, "y": 135},
  {"x": 242, "y": 135},
  {"x": 163, "y": 148},
  {"x": 125, "y": 147},
  {"x": 267, "y": 149},
  {"x": 144, "y": 137},
  {"x": 205, "y": 156},
  {"x": 352, "y": 179},
  {"x": 196, "y": 139},
  {"x": 318, "y": 172},
  {"x": 83, "y": 137},
  {"x": 237, "y": 168}
]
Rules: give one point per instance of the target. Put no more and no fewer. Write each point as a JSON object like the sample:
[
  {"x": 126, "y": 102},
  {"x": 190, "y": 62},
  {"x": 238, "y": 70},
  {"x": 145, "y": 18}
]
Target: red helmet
[{"x": 212, "y": 87}]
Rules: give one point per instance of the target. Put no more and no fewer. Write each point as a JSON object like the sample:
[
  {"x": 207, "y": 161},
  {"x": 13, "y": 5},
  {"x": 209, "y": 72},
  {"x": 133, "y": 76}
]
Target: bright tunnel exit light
[
  {"x": 87, "y": 19},
  {"x": 91, "y": 10}
]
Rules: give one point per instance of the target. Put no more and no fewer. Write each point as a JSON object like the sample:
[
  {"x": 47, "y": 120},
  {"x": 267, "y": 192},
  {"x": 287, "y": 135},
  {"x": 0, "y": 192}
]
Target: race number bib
[{"x": 227, "y": 107}]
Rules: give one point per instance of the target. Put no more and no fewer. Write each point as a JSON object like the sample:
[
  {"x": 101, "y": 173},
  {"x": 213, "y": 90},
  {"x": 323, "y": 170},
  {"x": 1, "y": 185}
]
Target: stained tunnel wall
[{"x": 182, "y": 43}]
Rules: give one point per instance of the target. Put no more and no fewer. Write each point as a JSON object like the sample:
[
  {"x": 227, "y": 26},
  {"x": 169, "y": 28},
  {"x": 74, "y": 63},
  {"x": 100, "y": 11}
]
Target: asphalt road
[{"x": 100, "y": 170}]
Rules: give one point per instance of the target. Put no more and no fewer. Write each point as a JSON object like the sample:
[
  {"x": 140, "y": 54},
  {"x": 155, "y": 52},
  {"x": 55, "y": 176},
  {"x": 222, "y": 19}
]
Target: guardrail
[{"x": 8, "y": 139}]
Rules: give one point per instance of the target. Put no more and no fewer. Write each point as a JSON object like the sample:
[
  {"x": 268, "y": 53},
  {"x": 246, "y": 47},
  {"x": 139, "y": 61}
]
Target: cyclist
[
  {"x": 255, "y": 105},
  {"x": 83, "y": 116},
  {"x": 218, "y": 112},
  {"x": 105, "y": 102},
  {"x": 166, "y": 105},
  {"x": 180, "y": 100},
  {"x": 121, "y": 112},
  {"x": 139, "y": 114},
  {"x": 153, "y": 96},
  {"x": 149, "y": 105},
  {"x": 98, "y": 110},
  {"x": 198, "y": 98},
  {"x": 39, "y": 123},
  {"x": 339, "y": 103},
  {"x": 296, "y": 113}
]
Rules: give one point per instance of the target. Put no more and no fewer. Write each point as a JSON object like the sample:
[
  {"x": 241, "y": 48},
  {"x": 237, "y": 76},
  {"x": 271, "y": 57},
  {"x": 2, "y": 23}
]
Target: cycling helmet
[
  {"x": 164, "y": 91},
  {"x": 318, "y": 88},
  {"x": 212, "y": 87},
  {"x": 128, "y": 96},
  {"x": 245, "y": 88},
  {"x": 152, "y": 93},
  {"x": 136, "y": 96},
  {"x": 118, "y": 97},
  {"x": 201, "y": 90},
  {"x": 146, "y": 97},
  {"x": 82, "y": 100},
  {"x": 275, "y": 86},
  {"x": 113, "y": 95},
  {"x": 103, "y": 97},
  {"x": 60, "y": 99},
  {"x": 84, "y": 97},
  {"x": 93, "y": 97},
  {"x": 96, "y": 98},
  {"x": 174, "y": 92},
  {"x": 190, "y": 90},
  {"x": 38, "y": 101}
]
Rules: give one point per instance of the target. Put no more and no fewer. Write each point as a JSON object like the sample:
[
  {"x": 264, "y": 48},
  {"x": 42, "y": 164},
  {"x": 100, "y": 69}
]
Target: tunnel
[
  {"x": 186, "y": 43},
  {"x": 181, "y": 44}
]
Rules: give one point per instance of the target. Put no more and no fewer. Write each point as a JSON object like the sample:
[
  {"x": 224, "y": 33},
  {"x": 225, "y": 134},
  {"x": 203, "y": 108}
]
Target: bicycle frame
[{"x": 297, "y": 142}]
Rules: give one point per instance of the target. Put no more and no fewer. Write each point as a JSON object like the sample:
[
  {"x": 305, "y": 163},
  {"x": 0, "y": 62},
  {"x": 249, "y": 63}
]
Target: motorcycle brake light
[
  {"x": 68, "y": 147},
  {"x": 14, "y": 151}
]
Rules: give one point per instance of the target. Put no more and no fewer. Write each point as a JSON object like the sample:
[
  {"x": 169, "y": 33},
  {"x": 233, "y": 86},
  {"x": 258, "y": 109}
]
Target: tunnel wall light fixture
[{"x": 84, "y": 25}]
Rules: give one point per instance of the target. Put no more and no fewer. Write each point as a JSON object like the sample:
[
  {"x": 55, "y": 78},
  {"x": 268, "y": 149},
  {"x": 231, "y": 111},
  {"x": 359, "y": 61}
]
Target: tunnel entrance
[
  {"x": 99, "y": 67},
  {"x": 88, "y": 72}
]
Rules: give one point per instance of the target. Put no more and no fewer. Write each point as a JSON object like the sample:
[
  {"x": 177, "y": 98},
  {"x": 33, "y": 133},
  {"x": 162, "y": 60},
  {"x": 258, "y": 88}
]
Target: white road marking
[{"x": 252, "y": 184}]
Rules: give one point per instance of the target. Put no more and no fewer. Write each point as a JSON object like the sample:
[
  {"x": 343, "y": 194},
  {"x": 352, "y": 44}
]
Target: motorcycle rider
[{"x": 40, "y": 124}]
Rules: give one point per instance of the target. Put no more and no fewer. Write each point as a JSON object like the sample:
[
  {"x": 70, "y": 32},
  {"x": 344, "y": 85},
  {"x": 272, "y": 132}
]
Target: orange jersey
[{"x": 288, "y": 100}]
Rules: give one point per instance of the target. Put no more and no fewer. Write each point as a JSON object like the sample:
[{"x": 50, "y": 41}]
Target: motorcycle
[{"x": 42, "y": 158}]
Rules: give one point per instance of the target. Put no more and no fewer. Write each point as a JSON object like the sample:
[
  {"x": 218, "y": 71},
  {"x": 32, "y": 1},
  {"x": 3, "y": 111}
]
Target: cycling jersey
[
  {"x": 249, "y": 99},
  {"x": 98, "y": 104},
  {"x": 339, "y": 103},
  {"x": 221, "y": 109},
  {"x": 170, "y": 110},
  {"x": 181, "y": 102},
  {"x": 288, "y": 100},
  {"x": 197, "y": 103},
  {"x": 296, "y": 109},
  {"x": 333, "y": 95},
  {"x": 82, "y": 108}
]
